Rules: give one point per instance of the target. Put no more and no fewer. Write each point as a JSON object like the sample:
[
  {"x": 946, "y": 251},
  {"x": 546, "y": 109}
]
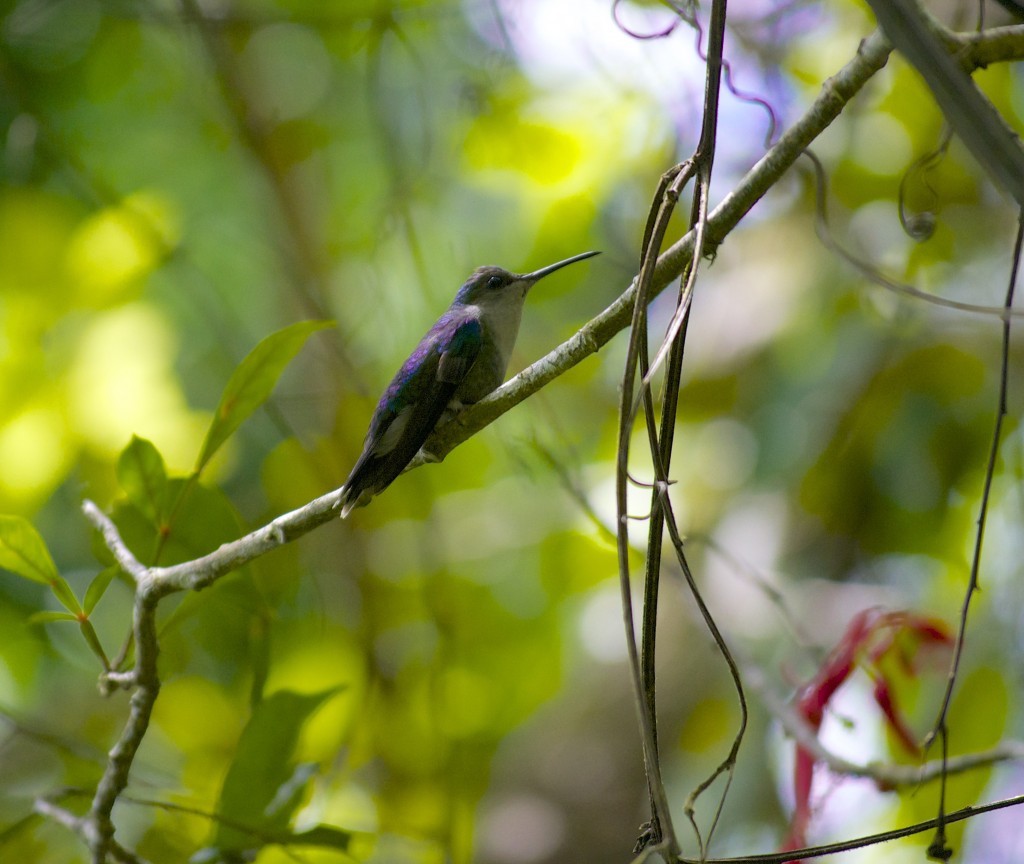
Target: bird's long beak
[{"x": 551, "y": 268}]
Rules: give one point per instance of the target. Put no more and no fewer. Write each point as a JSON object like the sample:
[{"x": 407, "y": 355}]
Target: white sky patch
[
  {"x": 749, "y": 296},
  {"x": 570, "y": 46},
  {"x": 600, "y": 625},
  {"x": 564, "y": 43},
  {"x": 739, "y": 585}
]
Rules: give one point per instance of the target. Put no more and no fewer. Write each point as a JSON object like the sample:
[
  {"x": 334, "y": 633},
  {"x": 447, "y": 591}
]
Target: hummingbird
[{"x": 461, "y": 359}]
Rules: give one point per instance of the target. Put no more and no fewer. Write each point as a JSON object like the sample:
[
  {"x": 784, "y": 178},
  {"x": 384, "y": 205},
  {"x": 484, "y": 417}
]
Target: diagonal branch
[
  {"x": 862, "y": 842},
  {"x": 997, "y": 45}
]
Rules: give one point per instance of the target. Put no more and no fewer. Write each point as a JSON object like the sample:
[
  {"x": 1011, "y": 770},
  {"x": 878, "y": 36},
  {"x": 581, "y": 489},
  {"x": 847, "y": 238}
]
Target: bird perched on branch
[{"x": 463, "y": 357}]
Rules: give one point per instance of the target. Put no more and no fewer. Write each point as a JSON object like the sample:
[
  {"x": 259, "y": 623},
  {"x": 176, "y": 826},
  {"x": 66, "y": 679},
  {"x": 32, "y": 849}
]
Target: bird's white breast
[{"x": 499, "y": 318}]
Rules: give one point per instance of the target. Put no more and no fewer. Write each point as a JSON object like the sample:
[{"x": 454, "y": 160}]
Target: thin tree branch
[
  {"x": 112, "y": 539},
  {"x": 153, "y": 583},
  {"x": 861, "y": 842},
  {"x": 939, "y": 729},
  {"x": 74, "y": 823},
  {"x": 729, "y": 762},
  {"x": 203, "y": 571},
  {"x": 978, "y": 50},
  {"x": 664, "y": 204},
  {"x": 58, "y": 814},
  {"x": 828, "y": 239},
  {"x": 98, "y": 826},
  {"x": 672, "y": 348}
]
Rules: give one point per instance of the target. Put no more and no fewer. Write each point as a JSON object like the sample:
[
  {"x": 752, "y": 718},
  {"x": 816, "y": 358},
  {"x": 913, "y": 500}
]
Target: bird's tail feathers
[
  {"x": 347, "y": 502},
  {"x": 352, "y": 498}
]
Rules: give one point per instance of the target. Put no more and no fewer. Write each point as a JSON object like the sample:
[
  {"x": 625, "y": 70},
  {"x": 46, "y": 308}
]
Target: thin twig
[
  {"x": 939, "y": 728},
  {"x": 823, "y": 229},
  {"x": 69, "y": 820},
  {"x": 673, "y": 347},
  {"x": 112, "y": 539},
  {"x": 58, "y": 814},
  {"x": 153, "y": 584},
  {"x": 663, "y": 205},
  {"x": 729, "y": 762},
  {"x": 861, "y": 842},
  {"x": 98, "y": 826},
  {"x": 203, "y": 571}
]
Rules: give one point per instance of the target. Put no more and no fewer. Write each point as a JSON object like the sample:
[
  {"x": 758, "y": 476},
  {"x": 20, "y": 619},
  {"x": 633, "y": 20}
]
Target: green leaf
[
  {"x": 93, "y": 641},
  {"x": 323, "y": 835},
  {"x": 252, "y": 382},
  {"x": 260, "y": 788},
  {"x": 143, "y": 477},
  {"x": 98, "y": 587},
  {"x": 320, "y": 836},
  {"x": 44, "y": 617},
  {"x": 23, "y": 552},
  {"x": 62, "y": 591}
]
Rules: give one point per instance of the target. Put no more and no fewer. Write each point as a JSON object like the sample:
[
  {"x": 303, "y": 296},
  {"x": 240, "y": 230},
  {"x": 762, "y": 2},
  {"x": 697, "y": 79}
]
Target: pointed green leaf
[
  {"x": 62, "y": 591},
  {"x": 23, "y": 552},
  {"x": 252, "y": 382},
  {"x": 259, "y": 788},
  {"x": 44, "y": 617},
  {"x": 98, "y": 587},
  {"x": 323, "y": 835},
  {"x": 93, "y": 641},
  {"x": 143, "y": 477}
]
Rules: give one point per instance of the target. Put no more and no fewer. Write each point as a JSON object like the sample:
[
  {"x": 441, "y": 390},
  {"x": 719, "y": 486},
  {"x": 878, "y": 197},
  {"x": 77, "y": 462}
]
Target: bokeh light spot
[
  {"x": 122, "y": 382},
  {"x": 288, "y": 70},
  {"x": 113, "y": 249},
  {"x": 542, "y": 152},
  {"x": 521, "y": 829},
  {"x": 33, "y": 455}
]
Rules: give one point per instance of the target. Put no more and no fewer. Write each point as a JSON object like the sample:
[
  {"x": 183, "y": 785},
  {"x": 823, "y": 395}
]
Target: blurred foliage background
[{"x": 181, "y": 179}]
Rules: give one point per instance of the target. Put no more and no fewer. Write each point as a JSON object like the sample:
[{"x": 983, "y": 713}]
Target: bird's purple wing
[{"x": 413, "y": 403}]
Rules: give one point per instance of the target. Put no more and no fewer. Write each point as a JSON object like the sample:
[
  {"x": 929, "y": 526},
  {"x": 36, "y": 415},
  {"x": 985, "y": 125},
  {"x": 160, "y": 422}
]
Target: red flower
[{"x": 869, "y": 638}]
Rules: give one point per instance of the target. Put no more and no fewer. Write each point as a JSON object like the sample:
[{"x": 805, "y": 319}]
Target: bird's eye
[{"x": 494, "y": 282}]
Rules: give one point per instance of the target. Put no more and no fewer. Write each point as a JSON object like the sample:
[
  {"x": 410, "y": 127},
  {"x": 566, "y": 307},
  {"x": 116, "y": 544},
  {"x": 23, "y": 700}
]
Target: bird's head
[{"x": 492, "y": 287}]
